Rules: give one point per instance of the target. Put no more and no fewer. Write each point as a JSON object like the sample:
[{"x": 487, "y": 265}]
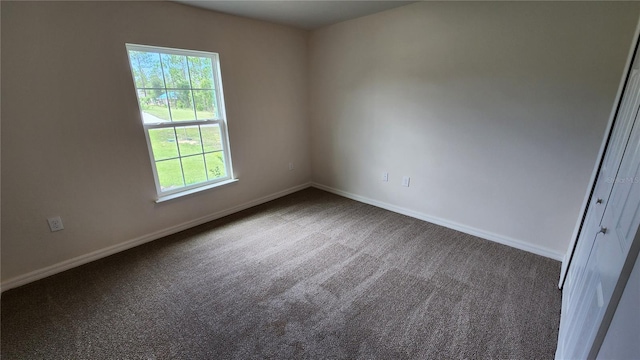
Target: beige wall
[
  {"x": 72, "y": 141},
  {"x": 496, "y": 110}
]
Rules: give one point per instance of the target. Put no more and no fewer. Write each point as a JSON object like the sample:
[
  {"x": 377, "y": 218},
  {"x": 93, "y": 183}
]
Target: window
[{"x": 182, "y": 107}]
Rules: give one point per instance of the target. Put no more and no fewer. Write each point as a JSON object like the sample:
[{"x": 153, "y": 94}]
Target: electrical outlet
[
  {"x": 291, "y": 166},
  {"x": 405, "y": 181},
  {"x": 55, "y": 223},
  {"x": 385, "y": 176}
]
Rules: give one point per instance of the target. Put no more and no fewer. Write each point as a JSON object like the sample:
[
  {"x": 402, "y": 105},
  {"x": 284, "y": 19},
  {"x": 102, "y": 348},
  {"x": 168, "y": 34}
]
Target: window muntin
[{"x": 182, "y": 108}]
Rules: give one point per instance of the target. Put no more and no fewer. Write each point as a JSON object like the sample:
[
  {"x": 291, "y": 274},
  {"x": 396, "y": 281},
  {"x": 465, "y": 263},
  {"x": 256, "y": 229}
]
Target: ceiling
[{"x": 305, "y": 14}]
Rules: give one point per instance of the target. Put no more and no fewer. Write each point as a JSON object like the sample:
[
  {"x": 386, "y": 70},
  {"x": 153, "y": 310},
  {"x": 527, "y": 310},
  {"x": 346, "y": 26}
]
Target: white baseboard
[
  {"x": 98, "y": 254},
  {"x": 538, "y": 250}
]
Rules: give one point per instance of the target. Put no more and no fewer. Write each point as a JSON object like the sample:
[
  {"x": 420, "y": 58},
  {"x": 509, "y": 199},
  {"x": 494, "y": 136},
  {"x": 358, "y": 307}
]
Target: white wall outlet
[
  {"x": 291, "y": 166},
  {"x": 55, "y": 223},
  {"x": 385, "y": 176},
  {"x": 405, "y": 181}
]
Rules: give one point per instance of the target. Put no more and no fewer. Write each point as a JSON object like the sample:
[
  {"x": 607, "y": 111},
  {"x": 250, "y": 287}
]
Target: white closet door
[
  {"x": 610, "y": 227},
  {"x": 608, "y": 172}
]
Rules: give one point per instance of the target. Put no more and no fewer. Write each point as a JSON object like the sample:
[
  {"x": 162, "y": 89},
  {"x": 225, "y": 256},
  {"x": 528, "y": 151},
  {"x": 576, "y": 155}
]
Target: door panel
[
  {"x": 606, "y": 178},
  {"x": 577, "y": 285},
  {"x": 609, "y": 229},
  {"x": 625, "y": 193},
  {"x": 593, "y": 291}
]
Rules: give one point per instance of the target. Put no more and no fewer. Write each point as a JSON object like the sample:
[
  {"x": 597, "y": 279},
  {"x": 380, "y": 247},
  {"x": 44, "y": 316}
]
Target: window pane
[
  {"x": 169, "y": 174},
  {"x": 146, "y": 69},
  {"x": 193, "y": 169},
  {"x": 181, "y": 104},
  {"x": 201, "y": 72},
  {"x": 205, "y": 104},
  {"x": 153, "y": 107},
  {"x": 211, "y": 137},
  {"x": 215, "y": 165},
  {"x": 189, "y": 140},
  {"x": 176, "y": 73},
  {"x": 163, "y": 143}
]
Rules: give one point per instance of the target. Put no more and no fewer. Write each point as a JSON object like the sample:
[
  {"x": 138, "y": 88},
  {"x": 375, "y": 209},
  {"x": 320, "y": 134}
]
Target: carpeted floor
[{"x": 308, "y": 276}]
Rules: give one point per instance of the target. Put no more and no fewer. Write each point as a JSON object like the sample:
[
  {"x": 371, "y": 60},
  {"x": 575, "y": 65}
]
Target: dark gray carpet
[{"x": 308, "y": 276}]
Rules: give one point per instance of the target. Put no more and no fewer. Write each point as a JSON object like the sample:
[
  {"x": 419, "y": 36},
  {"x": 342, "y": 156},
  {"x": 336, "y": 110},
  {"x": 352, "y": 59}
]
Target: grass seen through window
[{"x": 201, "y": 151}]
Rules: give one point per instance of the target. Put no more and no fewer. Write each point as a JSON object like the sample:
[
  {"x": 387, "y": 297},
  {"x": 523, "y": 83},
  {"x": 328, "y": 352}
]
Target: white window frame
[{"x": 221, "y": 121}]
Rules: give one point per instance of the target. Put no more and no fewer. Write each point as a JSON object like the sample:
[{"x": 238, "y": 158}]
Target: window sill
[{"x": 195, "y": 190}]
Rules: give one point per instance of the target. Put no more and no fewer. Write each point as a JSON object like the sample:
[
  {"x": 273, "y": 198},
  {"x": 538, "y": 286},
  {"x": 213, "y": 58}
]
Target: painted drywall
[
  {"x": 623, "y": 337},
  {"x": 72, "y": 139},
  {"x": 496, "y": 110}
]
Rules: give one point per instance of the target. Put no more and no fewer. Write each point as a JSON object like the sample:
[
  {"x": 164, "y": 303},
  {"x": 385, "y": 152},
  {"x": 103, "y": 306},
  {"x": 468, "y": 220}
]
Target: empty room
[{"x": 319, "y": 180}]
